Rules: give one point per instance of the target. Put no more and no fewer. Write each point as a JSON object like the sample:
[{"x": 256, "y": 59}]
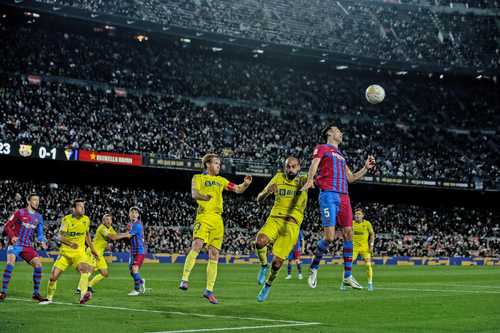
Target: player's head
[
  {"x": 291, "y": 168},
  {"x": 211, "y": 163},
  {"x": 332, "y": 134},
  {"x": 33, "y": 201},
  {"x": 78, "y": 206},
  {"x": 133, "y": 213},
  {"x": 359, "y": 214},
  {"x": 107, "y": 220}
]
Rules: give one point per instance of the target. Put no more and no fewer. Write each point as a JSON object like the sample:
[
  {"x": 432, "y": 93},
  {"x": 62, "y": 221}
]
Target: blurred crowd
[
  {"x": 375, "y": 29},
  {"x": 168, "y": 217}
]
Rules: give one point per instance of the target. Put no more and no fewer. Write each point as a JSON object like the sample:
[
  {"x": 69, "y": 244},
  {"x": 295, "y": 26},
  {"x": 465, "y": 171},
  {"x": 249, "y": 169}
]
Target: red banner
[{"x": 110, "y": 158}]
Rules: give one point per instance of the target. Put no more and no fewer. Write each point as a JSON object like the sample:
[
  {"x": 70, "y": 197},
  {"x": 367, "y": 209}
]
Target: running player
[
  {"x": 206, "y": 189},
  {"x": 294, "y": 257},
  {"x": 363, "y": 240},
  {"x": 20, "y": 229},
  {"x": 283, "y": 224},
  {"x": 74, "y": 235},
  {"x": 330, "y": 173}
]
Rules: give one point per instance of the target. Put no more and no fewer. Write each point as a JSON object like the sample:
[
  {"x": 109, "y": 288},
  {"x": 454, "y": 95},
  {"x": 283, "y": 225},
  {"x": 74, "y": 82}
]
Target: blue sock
[
  {"x": 137, "y": 280},
  {"x": 7, "y": 274},
  {"x": 289, "y": 268},
  {"x": 321, "y": 249},
  {"x": 299, "y": 267},
  {"x": 37, "y": 277},
  {"x": 347, "y": 254}
]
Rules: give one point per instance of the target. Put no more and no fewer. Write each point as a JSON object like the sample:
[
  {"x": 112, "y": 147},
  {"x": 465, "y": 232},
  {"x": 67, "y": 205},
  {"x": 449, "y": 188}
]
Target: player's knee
[
  {"x": 213, "y": 254},
  {"x": 105, "y": 273},
  {"x": 347, "y": 234},
  {"x": 277, "y": 263},
  {"x": 197, "y": 245},
  {"x": 261, "y": 241}
]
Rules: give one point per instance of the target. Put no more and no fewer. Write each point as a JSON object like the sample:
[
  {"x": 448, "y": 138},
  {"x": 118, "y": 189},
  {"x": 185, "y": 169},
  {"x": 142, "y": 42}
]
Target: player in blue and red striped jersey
[
  {"x": 330, "y": 173},
  {"x": 137, "y": 251},
  {"x": 20, "y": 229},
  {"x": 294, "y": 256}
]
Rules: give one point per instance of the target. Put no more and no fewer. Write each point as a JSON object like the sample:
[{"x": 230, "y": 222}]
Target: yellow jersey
[
  {"x": 361, "y": 232},
  {"x": 101, "y": 238},
  {"x": 213, "y": 186},
  {"x": 289, "y": 200},
  {"x": 75, "y": 230}
]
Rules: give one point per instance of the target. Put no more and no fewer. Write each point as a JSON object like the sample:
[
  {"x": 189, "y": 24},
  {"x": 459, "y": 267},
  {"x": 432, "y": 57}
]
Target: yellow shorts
[
  {"x": 100, "y": 264},
  {"x": 364, "y": 252},
  {"x": 283, "y": 234},
  {"x": 66, "y": 259},
  {"x": 210, "y": 229}
]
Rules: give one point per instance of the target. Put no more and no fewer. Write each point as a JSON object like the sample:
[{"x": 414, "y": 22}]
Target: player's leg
[
  {"x": 369, "y": 268},
  {"x": 345, "y": 221},
  {"x": 59, "y": 267},
  {"x": 12, "y": 253},
  {"x": 134, "y": 267},
  {"x": 200, "y": 237},
  {"x": 329, "y": 205},
  {"x": 85, "y": 269},
  {"x": 289, "y": 266},
  {"x": 103, "y": 274},
  {"x": 266, "y": 235},
  {"x": 36, "y": 263},
  {"x": 213, "y": 260},
  {"x": 299, "y": 266},
  {"x": 284, "y": 243}
]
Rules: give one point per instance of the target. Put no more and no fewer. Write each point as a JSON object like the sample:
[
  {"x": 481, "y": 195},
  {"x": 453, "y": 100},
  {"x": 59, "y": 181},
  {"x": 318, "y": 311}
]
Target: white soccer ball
[{"x": 375, "y": 94}]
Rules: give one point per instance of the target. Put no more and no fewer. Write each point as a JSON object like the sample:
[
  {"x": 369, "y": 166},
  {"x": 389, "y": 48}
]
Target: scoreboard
[{"x": 37, "y": 151}]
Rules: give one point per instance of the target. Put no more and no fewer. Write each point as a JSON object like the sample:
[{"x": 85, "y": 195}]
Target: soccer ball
[{"x": 375, "y": 94}]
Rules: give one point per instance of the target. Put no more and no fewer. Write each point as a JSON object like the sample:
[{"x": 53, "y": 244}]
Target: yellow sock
[
  {"x": 96, "y": 280},
  {"x": 189, "y": 264},
  {"x": 211, "y": 274},
  {"x": 83, "y": 285},
  {"x": 370, "y": 272},
  {"x": 272, "y": 276},
  {"x": 51, "y": 290},
  {"x": 262, "y": 254}
]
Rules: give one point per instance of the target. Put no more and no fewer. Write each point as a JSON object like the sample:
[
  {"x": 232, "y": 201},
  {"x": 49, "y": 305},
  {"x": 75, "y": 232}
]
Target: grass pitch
[{"x": 406, "y": 299}]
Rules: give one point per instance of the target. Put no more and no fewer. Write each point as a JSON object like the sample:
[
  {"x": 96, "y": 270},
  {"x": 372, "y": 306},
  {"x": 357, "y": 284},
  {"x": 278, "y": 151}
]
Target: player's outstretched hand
[
  {"x": 207, "y": 197},
  {"x": 248, "y": 180},
  {"x": 370, "y": 162},
  {"x": 74, "y": 246},
  {"x": 13, "y": 240},
  {"x": 308, "y": 184}
]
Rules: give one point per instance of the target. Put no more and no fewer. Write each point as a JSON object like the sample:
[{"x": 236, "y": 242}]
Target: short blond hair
[{"x": 208, "y": 158}]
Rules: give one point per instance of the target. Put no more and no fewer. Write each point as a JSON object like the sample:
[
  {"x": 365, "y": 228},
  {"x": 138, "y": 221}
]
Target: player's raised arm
[
  {"x": 195, "y": 192},
  {"x": 353, "y": 177},
  {"x": 240, "y": 188},
  {"x": 313, "y": 169}
]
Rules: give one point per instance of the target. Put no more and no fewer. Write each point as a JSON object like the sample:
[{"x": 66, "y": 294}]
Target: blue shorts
[
  {"x": 335, "y": 208},
  {"x": 26, "y": 253},
  {"x": 294, "y": 254}
]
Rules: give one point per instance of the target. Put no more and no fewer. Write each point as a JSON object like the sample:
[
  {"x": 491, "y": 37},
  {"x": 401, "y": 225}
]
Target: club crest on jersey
[{"x": 29, "y": 225}]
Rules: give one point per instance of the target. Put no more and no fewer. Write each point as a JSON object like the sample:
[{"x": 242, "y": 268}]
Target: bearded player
[
  {"x": 206, "y": 189},
  {"x": 283, "y": 224},
  {"x": 330, "y": 173},
  {"x": 20, "y": 229}
]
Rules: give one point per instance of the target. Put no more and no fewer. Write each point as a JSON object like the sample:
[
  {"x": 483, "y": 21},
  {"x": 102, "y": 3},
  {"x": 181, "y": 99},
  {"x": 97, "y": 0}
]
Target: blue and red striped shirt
[
  {"x": 22, "y": 224},
  {"x": 136, "y": 230},
  {"x": 332, "y": 170}
]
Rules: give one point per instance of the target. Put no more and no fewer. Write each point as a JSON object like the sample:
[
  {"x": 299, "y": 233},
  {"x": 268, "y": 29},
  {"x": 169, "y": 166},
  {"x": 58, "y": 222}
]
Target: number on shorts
[
  {"x": 326, "y": 212},
  {"x": 197, "y": 226}
]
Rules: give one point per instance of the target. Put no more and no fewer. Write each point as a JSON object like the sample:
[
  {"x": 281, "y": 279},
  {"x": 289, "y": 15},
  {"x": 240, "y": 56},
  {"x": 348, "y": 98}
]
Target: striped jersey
[
  {"x": 332, "y": 170},
  {"x": 23, "y": 224},
  {"x": 136, "y": 230}
]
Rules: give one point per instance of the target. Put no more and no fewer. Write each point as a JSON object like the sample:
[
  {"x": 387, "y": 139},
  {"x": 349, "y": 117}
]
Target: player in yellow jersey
[
  {"x": 363, "y": 240},
  {"x": 283, "y": 224},
  {"x": 73, "y": 235},
  {"x": 206, "y": 189},
  {"x": 104, "y": 233}
]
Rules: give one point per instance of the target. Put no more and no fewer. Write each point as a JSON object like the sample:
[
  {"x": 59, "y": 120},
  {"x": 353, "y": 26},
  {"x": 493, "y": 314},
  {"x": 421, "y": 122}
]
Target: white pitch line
[
  {"x": 172, "y": 312},
  {"x": 241, "y": 328},
  {"x": 443, "y": 290}
]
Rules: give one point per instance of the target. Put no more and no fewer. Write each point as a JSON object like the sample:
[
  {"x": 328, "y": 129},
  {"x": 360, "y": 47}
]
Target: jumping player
[{"x": 330, "y": 173}]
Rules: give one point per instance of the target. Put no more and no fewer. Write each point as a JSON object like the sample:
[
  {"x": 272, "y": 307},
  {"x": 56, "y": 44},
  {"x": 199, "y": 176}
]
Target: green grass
[{"x": 407, "y": 299}]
